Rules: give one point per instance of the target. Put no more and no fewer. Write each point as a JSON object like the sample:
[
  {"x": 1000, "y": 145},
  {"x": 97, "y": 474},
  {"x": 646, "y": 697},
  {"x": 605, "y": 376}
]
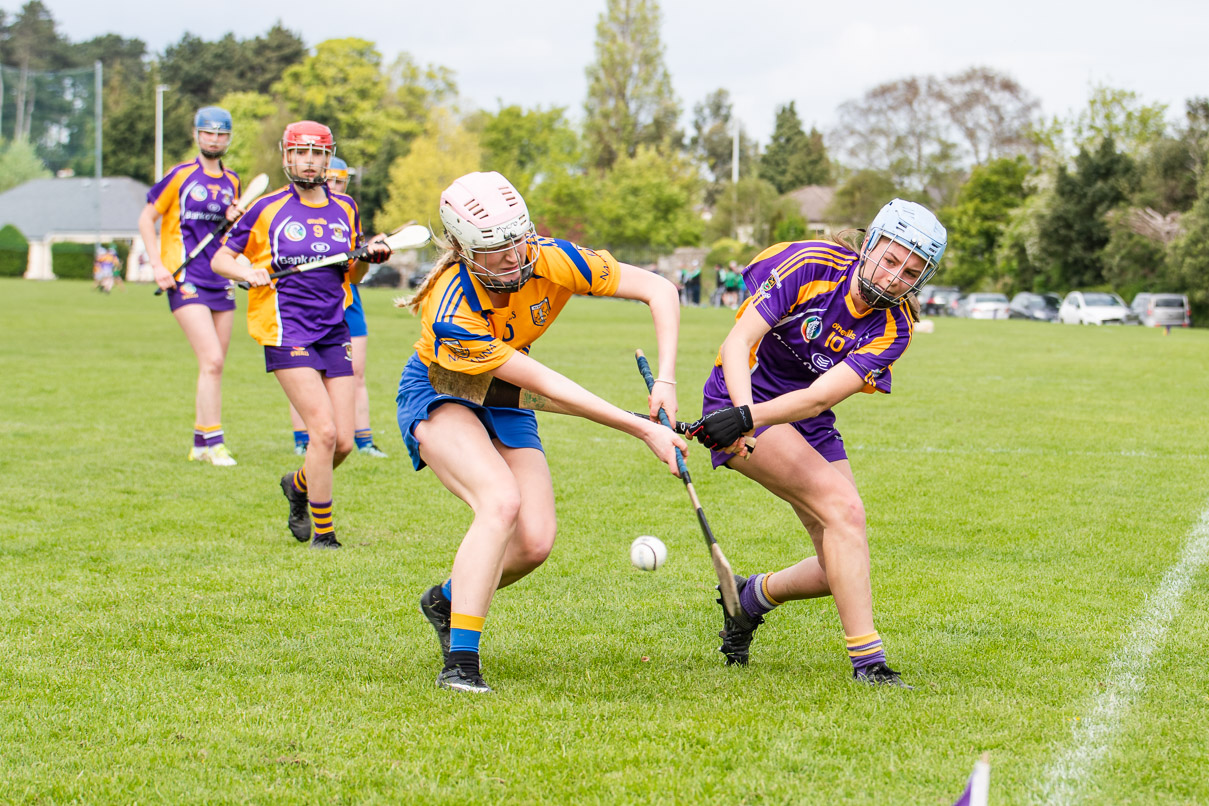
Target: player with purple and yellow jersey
[
  {"x": 190, "y": 202},
  {"x": 354, "y": 315},
  {"x": 299, "y": 319},
  {"x": 823, "y": 322},
  {"x": 496, "y": 290}
]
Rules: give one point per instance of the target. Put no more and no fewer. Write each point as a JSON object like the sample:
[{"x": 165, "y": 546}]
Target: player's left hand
[
  {"x": 721, "y": 429},
  {"x": 233, "y": 212},
  {"x": 378, "y": 252}
]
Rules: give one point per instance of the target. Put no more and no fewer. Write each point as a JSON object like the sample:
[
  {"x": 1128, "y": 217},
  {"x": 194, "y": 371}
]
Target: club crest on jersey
[
  {"x": 294, "y": 231},
  {"x": 339, "y": 230},
  {"x": 198, "y": 193},
  {"x": 769, "y": 285},
  {"x": 811, "y": 327},
  {"x": 455, "y": 349},
  {"x": 540, "y": 311}
]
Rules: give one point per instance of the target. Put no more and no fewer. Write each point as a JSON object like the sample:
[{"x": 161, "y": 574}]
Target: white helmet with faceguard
[
  {"x": 913, "y": 226},
  {"x": 485, "y": 215}
]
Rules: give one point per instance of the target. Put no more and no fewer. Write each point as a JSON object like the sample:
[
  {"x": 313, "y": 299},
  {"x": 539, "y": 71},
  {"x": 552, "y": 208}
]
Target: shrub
[{"x": 14, "y": 252}]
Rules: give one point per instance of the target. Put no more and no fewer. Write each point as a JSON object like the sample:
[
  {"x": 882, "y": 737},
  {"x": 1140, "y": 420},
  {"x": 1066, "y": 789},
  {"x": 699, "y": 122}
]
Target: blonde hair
[{"x": 451, "y": 257}]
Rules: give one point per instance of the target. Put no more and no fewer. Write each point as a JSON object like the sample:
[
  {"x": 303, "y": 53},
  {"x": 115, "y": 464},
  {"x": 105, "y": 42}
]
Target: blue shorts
[
  {"x": 331, "y": 355},
  {"x": 819, "y": 431},
  {"x": 354, "y": 316},
  {"x": 515, "y": 428},
  {"x": 216, "y": 299}
]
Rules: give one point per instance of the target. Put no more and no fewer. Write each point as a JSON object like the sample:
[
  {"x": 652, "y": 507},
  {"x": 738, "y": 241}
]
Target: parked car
[
  {"x": 937, "y": 300},
  {"x": 1040, "y": 307},
  {"x": 983, "y": 305},
  {"x": 1095, "y": 308},
  {"x": 381, "y": 275},
  {"x": 1162, "y": 310}
]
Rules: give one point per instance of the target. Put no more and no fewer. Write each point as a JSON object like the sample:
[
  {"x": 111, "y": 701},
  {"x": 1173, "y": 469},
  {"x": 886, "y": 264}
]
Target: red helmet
[{"x": 306, "y": 135}]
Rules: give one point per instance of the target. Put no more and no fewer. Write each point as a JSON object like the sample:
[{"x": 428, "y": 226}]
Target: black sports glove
[
  {"x": 720, "y": 429},
  {"x": 377, "y": 257}
]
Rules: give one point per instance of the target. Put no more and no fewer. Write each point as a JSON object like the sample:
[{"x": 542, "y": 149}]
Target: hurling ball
[{"x": 648, "y": 553}]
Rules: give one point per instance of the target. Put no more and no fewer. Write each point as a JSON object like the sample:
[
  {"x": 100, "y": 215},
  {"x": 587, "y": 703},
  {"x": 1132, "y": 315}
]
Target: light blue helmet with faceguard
[
  {"x": 213, "y": 119},
  {"x": 915, "y": 227}
]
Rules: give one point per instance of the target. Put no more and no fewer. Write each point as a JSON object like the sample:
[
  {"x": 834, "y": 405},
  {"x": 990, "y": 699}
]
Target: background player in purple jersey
[
  {"x": 193, "y": 199},
  {"x": 822, "y": 323},
  {"x": 299, "y": 319},
  {"x": 487, "y": 300},
  {"x": 354, "y": 315}
]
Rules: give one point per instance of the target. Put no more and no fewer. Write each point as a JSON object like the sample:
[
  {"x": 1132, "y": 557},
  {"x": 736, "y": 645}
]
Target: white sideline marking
[
  {"x": 1047, "y": 452},
  {"x": 1093, "y": 735}
]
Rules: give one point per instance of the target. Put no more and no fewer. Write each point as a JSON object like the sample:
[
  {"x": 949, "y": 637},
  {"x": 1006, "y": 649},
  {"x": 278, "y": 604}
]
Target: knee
[
  {"x": 501, "y": 507},
  {"x": 211, "y": 365},
  {"x": 534, "y": 545},
  {"x": 845, "y": 519},
  {"x": 323, "y": 436},
  {"x": 344, "y": 445}
]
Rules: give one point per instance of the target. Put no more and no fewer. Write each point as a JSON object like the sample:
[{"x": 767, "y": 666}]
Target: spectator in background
[
  {"x": 692, "y": 285},
  {"x": 112, "y": 256}
]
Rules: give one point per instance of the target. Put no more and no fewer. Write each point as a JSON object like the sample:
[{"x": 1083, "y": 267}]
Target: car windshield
[
  {"x": 1100, "y": 299},
  {"x": 988, "y": 298},
  {"x": 1168, "y": 302}
]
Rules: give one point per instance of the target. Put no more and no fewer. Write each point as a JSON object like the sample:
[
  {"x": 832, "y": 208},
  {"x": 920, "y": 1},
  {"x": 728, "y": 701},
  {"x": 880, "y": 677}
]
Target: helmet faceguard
[
  {"x": 306, "y": 136},
  {"x": 910, "y": 225},
  {"x": 486, "y": 217},
  {"x": 213, "y": 119}
]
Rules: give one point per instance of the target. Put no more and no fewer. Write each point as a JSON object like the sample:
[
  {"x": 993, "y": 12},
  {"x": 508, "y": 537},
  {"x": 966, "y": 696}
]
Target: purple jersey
[
  {"x": 281, "y": 231},
  {"x": 193, "y": 204},
  {"x": 801, "y": 290}
]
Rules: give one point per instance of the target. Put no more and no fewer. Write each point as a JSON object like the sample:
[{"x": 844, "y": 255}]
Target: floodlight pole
[
  {"x": 734, "y": 178},
  {"x": 99, "y": 107},
  {"x": 159, "y": 131}
]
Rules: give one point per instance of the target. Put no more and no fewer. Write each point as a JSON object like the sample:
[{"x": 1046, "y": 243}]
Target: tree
[
  {"x": 1074, "y": 233},
  {"x": 257, "y": 125},
  {"x": 19, "y": 163},
  {"x": 860, "y": 196},
  {"x": 794, "y": 159},
  {"x": 977, "y": 220},
  {"x": 1188, "y": 260},
  {"x": 713, "y": 142},
  {"x": 753, "y": 209},
  {"x": 630, "y": 101},
  {"x": 646, "y": 206},
  {"x": 202, "y": 72},
  {"x": 527, "y": 145},
  {"x": 439, "y": 156},
  {"x": 992, "y": 112}
]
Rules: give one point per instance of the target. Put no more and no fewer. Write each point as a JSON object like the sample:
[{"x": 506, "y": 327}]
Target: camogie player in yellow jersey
[{"x": 493, "y": 293}]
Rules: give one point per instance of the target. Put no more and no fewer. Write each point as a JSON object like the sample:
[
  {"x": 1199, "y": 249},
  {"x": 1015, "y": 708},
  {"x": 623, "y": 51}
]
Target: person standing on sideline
[
  {"x": 354, "y": 315},
  {"x": 299, "y": 319},
  {"x": 823, "y": 322},
  {"x": 193, "y": 199},
  {"x": 489, "y": 297}
]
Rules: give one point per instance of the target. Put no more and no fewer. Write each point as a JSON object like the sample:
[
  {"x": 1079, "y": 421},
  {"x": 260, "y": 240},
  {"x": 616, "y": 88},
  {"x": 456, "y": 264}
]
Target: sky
[{"x": 534, "y": 52}]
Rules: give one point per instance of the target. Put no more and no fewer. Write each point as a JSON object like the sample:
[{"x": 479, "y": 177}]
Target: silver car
[
  {"x": 983, "y": 305},
  {"x": 1162, "y": 310}
]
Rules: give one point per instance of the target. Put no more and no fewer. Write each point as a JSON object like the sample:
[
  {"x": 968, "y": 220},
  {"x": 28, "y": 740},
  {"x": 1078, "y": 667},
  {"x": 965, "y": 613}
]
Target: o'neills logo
[{"x": 299, "y": 352}]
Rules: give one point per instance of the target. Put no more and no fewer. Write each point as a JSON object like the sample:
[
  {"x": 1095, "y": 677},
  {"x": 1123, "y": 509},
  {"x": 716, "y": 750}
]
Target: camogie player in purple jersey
[
  {"x": 192, "y": 200},
  {"x": 823, "y": 322},
  {"x": 299, "y": 319}
]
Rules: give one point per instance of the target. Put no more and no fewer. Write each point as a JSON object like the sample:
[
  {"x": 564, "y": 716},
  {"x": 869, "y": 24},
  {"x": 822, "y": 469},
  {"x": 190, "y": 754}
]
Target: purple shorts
[
  {"x": 332, "y": 355},
  {"x": 216, "y": 299},
  {"x": 819, "y": 431}
]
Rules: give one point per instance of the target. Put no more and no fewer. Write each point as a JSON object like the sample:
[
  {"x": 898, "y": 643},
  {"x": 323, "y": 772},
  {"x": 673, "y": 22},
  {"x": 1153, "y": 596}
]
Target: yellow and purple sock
[
  {"x": 199, "y": 436},
  {"x": 754, "y": 597},
  {"x": 364, "y": 437},
  {"x": 464, "y": 634},
  {"x": 300, "y": 480},
  {"x": 321, "y": 516},
  {"x": 865, "y": 650},
  {"x": 302, "y": 439},
  {"x": 211, "y": 435}
]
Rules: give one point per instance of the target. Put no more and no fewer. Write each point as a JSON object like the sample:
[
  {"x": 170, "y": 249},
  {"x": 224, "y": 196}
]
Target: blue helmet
[
  {"x": 212, "y": 119},
  {"x": 915, "y": 227},
  {"x": 337, "y": 169}
]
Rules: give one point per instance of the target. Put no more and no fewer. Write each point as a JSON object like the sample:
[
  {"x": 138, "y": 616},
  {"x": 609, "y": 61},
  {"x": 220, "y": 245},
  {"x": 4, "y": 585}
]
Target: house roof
[
  {"x": 41, "y": 207},
  {"x": 813, "y": 201}
]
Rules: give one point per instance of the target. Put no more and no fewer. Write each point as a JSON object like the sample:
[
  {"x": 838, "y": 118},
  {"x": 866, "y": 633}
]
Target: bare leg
[{"x": 209, "y": 334}]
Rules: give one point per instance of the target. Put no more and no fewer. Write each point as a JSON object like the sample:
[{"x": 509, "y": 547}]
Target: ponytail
[{"x": 416, "y": 301}]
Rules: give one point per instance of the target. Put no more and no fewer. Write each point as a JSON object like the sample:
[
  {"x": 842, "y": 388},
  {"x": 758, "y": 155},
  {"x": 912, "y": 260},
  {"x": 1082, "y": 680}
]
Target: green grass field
[{"x": 163, "y": 639}]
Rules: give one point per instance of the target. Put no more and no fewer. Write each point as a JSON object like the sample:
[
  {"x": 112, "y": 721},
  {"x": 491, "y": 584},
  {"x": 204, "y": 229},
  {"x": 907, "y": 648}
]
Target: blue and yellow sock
[
  {"x": 865, "y": 650},
  {"x": 447, "y": 590},
  {"x": 464, "y": 634},
  {"x": 321, "y": 516},
  {"x": 754, "y": 597},
  {"x": 302, "y": 439},
  {"x": 364, "y": 437}
]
